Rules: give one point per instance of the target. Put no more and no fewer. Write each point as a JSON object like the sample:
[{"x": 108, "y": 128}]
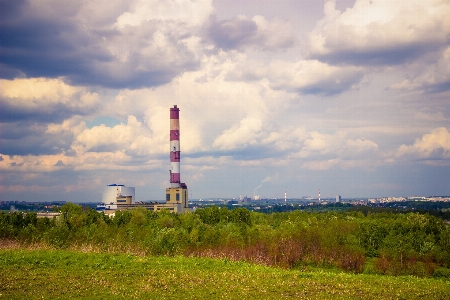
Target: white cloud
[
  {"x": 132, "y": 138},
  {"x": 42, "y": 101},
  {"x": 361, "y": 145},
  {"x": 43, "y": 93},
  {"x": 319, "y": 143},
  {"x": 242, "y": 31},
  {"x": 73, "y": 126},
  {"x": 321, "y": 165},
  {"x": 274, "y": 34},
  {"x": 286, "y": 138},
  {"x": 186, "y": 12},
  {"x": 240, "y": 135},
  {"x": 373, "y": 32},
  {"x": 433, "y": 148},
  {"x": 304, "y": 76},
  {"x": 32, "y": 163},
  {"x": 320, "y": 151}
]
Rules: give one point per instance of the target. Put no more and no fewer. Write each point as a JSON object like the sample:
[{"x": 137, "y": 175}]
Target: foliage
[{"x": 376, "y": 243}]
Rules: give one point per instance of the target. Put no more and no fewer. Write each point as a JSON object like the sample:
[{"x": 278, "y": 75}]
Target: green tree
[
  {"x": 121, "y": 217},
  {"x": 241, "y": 215},
  {"x": 73, "y": 215}
]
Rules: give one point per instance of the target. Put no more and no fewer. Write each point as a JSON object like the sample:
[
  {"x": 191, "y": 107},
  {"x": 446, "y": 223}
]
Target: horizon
[
  {"x": 351, "y": 97},
  {"x": 261, "y": 199}
]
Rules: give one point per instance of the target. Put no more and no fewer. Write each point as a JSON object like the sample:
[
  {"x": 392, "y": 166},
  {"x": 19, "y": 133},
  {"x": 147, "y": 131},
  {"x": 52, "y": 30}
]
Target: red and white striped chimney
[{"x": 175, "y": 147}]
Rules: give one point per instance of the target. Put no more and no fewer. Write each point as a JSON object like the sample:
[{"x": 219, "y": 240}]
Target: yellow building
[{"x": 176, "y": 200}]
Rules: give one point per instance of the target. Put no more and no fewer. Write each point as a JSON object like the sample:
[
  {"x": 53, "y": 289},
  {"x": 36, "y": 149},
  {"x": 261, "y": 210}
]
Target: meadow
[
  {"x": 66, "y": 274},
  {"x": 217, "y": 253}
]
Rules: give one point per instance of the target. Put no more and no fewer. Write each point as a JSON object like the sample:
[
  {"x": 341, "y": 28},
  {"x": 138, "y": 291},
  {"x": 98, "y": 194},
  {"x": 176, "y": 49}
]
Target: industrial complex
[{"x": 119, "y": 197}]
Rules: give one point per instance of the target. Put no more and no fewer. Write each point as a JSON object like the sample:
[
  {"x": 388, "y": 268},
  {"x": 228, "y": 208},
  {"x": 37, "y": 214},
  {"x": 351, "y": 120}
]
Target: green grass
[{"x": 48, "y": 274}]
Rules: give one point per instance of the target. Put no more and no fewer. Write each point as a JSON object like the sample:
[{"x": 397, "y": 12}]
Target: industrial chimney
[
  {"x": 177, "y": 194},
  {"x": 175, "y": 147}
]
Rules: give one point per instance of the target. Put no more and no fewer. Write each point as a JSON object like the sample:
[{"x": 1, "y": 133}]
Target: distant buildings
[
  {"x": 246, "y": 199},
  {"x": 338, "y": 198}
]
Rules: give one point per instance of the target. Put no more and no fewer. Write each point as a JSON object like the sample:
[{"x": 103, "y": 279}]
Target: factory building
[{"x": 119, "y": 197}]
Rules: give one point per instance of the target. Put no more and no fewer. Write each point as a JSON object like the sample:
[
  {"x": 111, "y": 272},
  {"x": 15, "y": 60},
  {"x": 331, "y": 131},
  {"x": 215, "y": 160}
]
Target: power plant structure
[
  {"x": 118, "y": 197},
  {"x": 177, "y": 194},
  {"x": 118, "y": 194},
  {"x": 114, "y": 196}
]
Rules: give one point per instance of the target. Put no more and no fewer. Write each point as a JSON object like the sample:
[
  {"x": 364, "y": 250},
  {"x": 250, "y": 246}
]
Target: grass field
[{"x": 50, "y": 274}]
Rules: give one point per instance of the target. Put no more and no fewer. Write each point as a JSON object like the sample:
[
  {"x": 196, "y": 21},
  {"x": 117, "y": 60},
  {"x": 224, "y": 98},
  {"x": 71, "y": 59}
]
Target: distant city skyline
[{"x": 348, "y": 96}]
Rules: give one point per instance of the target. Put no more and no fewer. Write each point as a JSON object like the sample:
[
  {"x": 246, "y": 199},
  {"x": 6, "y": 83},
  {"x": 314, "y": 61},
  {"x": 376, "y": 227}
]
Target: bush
[
  {"x": 442, "y": 273},
  {"x": 352, "y": 261}
]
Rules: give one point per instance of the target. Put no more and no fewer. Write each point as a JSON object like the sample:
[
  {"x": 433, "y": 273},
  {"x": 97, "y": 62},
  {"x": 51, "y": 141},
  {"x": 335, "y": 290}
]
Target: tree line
[{"x": 379, "y": 243}]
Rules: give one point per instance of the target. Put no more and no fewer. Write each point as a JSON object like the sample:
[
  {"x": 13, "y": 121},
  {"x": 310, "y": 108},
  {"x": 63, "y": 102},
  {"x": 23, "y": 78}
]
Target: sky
[{"x": 351, "y": 97}]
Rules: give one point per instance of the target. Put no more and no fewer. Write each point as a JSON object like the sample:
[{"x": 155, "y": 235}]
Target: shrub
[
  {"x": 352, "y": 261},
  {"x": 442, "y": 273}
]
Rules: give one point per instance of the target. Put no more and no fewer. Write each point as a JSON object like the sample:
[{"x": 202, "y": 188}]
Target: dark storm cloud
[
  {"x": 50, "y": 44},
  {"x": 40, "y": 47},
  {"x": 28, "y": 138},
  {"x": 45, "y": 114}
]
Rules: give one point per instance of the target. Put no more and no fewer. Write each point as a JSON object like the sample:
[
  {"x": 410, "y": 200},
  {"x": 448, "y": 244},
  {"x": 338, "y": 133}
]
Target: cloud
[
  {"x": 22, "y": 188},
  {"x": 33, "y": 109},
  {"x": 432, "y": 149},
  {"x": 44, "y": 100},
  {"x": 191, "y": 13},
  {"x": 132, "y": 138},
  {"x": 379, "y": 32},
  {"x": 428, "y": 76},
  {"x": 94, "y": 162},
  {"x": 313, "y": 77},
  {"x": 30, "y": 138},
  {"x": 286, "y": 138},
  {"x": 255, "y": 141},
  {"x": 148, "y": 44},
  {"x": 337, "y": 144},
  {"x": 32, "y": 163},
  {"x": 241, "y": 135},
  {"x": 321, "y": 165},
  {"x": 59, "y": 163},
  {"x": 321, "y": 151},
  {"x": 242, "y": 31},
  {"x": 303, "y": 76},
  {"x": 252, "y": 103}
]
